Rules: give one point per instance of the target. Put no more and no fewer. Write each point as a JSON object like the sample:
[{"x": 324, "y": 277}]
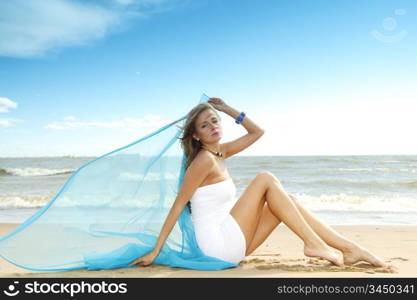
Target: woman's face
[{"x": 208, "y": 127}]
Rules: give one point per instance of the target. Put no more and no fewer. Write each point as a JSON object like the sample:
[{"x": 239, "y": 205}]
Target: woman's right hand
[
  {"x": 146, "y": 259},
  {"x": 217, "y": 103}
]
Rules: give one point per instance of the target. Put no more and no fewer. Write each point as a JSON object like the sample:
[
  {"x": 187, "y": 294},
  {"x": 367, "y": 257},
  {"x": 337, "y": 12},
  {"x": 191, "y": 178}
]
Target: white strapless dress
[{"x": 217, "y": 232}]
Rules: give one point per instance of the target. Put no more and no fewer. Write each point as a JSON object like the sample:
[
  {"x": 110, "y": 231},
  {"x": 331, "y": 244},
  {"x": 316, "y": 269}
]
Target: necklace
[{"x": 215, "y": 153}]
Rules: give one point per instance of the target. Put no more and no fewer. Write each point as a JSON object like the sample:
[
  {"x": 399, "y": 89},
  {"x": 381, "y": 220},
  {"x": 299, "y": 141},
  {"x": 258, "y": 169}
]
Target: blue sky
[{"x": 321, "y": 77}]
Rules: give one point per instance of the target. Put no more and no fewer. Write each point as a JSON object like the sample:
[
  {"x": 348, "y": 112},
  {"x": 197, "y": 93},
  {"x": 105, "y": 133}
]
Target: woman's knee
[{"x": 268, "y": 177}]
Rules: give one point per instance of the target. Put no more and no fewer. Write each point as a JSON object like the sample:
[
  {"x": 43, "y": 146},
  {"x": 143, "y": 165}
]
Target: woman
[{"x": 230, "y": 228}]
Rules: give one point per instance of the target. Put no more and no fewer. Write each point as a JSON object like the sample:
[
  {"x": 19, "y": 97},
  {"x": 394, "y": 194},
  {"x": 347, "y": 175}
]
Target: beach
[
  {"x": 369, "y": 199},
  {"x": 281, "y": 255}
]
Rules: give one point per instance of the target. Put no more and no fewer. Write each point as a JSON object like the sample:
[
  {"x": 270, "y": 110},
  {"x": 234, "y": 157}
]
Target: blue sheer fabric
[{"x": 110, "y": 212}]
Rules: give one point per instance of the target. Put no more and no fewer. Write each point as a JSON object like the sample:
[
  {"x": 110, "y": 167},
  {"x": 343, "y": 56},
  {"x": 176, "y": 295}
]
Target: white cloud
[
  {"x": 32, "y": 28},
  {"x": 6, "y": 104},
  {"x": 69, "y": 118},
  {"x": 149, "y": 122},
  {"x": 7, "y": 122}
]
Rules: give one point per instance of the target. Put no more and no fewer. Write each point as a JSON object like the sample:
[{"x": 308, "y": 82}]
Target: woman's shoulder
[
  {"x": 203, "y": 159},
  {"x": 203, "y": 156}
]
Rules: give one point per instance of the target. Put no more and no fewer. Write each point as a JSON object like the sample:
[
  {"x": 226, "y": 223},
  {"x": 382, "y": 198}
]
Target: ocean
[{"x": 340, "y": 190}]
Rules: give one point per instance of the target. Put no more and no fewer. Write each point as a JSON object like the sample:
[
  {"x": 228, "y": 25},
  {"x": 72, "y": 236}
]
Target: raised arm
[
  {"x": 241, "y": 143},
  {"x": 198, "y": 170}
]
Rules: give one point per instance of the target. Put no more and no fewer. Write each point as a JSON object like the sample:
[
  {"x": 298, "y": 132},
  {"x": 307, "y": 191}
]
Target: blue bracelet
[{"x": 240, "y": 117}]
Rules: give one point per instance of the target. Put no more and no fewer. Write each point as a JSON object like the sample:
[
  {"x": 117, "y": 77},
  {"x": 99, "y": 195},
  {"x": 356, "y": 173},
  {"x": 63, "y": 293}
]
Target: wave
[
  {"x": 339, "y": 159},
  {"x": 343, "y": 202},
  {"x": 323, "y": 202},
  {"x": 352, "y": 183},
  {"x": 10, "y": 202},
  {"x": 325, "y": 159},
  {"x": 375, "y": 169},
  {"x": 410, "y": 183},
  {"x": 286, "y": 161},
  {"x": 361, "y": 169},
  {"x": 23, "y": 201},
  {"x": 34, "y": 172},
  {"x": 259, "y": 168}
]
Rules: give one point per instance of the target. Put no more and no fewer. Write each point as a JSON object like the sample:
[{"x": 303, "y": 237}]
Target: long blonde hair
[{"x": 190, "y": 145}]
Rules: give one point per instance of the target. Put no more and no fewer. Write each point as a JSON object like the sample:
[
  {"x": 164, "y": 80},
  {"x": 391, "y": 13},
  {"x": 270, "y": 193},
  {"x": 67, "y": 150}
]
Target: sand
[{"x": 281, "y": 255}]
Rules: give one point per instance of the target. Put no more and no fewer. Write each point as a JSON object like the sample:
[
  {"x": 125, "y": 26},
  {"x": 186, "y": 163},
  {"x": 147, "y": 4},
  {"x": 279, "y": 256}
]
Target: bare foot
[
  {"x": 357, "y": 253},
  {"x": 324, "y": 252}
]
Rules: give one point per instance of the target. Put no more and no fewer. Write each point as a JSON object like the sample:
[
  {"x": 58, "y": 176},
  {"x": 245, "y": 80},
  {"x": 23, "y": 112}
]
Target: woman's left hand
[
  {"x": 218, "y": 103},
  {"x": 146, "y": 259}
]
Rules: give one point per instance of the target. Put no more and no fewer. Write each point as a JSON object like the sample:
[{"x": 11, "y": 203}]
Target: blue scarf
[{"x": 110, "y": 212}]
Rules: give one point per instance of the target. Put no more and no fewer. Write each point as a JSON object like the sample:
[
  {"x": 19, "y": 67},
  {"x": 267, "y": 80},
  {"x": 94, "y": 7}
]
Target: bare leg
[
  {"x": 267, "y": 223},
  {"x": 266, "y": 188},
  {"x": 352, "y": 252},
  {"x": 284, "y": 208}
]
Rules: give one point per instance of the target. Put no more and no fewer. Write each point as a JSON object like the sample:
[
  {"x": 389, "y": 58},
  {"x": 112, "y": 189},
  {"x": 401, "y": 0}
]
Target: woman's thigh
[{"x": 248, "y": 208}]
